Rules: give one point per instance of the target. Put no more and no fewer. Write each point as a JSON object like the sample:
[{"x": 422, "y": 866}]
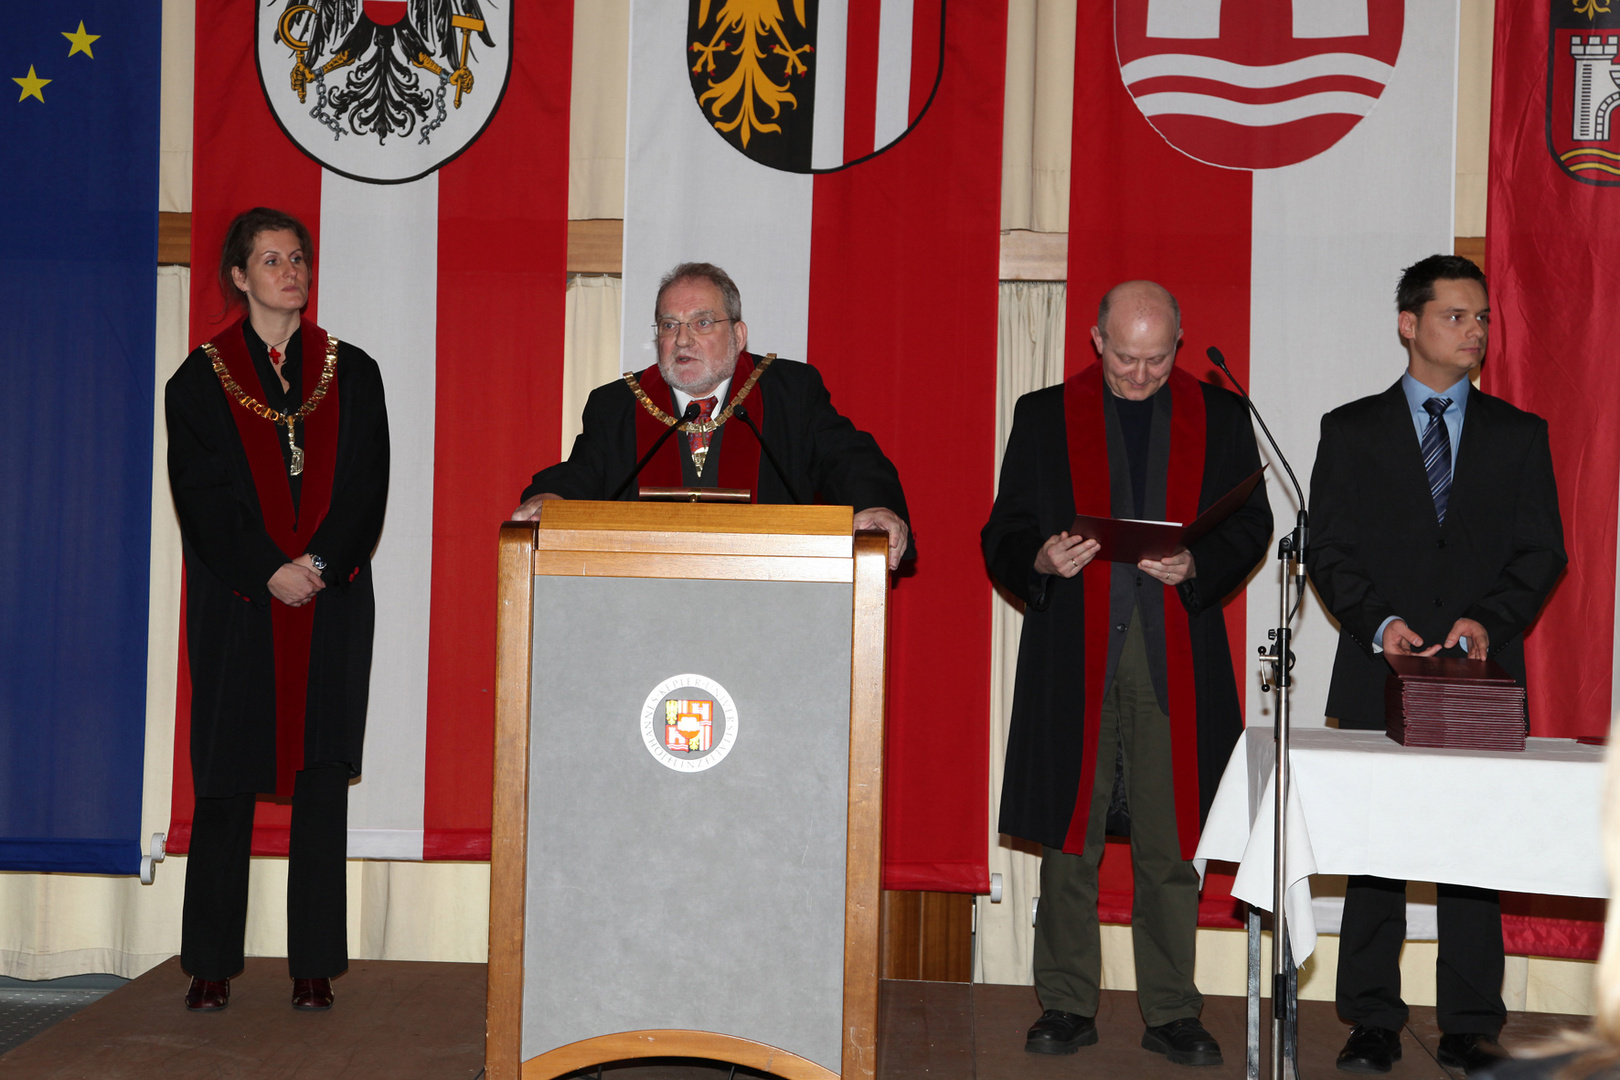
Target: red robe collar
[
  {"x": 291, "y": 628},
  {"x": 1083, "y": 403},
  {"x": 739, "y": 450}
]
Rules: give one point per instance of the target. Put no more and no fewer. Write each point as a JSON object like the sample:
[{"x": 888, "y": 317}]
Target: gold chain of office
[
  {"x": 253, "y": 405},
  {"x": 702, "y": 427}
]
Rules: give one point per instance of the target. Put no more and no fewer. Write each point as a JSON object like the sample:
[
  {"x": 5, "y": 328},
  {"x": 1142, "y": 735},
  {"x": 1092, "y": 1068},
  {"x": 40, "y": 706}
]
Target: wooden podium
[{"x": 685, "y": 862}]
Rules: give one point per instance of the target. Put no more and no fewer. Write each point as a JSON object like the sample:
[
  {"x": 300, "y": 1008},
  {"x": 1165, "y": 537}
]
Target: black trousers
[
  {"x": 214, "y": 922},
  {"x": 1468, "y": 973}
]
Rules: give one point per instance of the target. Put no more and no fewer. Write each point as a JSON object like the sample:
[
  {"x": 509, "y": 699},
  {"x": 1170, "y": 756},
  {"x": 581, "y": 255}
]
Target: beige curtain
[
  {"x": 590, "y": 344},
  {"x": 1038, "y": 113},
  {"x": 596, "y": 119},
  {"x": 174, "y": 108},
  {"x": 1029, "y": 356},
  {"x": 1475, "y": 37}
]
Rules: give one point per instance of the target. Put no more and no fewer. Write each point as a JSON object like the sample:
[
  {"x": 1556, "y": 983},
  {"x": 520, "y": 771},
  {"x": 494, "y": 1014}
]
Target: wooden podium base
[{"x": 628, "y": 1045}]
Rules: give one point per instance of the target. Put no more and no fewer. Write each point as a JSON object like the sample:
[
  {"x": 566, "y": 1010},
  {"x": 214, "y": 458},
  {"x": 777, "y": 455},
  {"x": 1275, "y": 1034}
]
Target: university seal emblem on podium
[
  {"x": 689, "y": 723},
  {"x": 384, "y": 91}
]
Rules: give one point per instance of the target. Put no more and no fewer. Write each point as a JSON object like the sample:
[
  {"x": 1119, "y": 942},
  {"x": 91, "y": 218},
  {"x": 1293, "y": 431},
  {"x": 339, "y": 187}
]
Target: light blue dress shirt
[{"x": 1417, "y": 394}]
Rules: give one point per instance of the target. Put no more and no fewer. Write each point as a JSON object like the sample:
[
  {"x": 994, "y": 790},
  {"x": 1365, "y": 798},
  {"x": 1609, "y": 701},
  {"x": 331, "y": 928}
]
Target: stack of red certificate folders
[{"x": 1453, "y": 702}]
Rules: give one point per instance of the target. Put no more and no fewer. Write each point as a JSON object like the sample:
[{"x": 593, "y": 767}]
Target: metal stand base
[{"x": 1289, "y": 1005}]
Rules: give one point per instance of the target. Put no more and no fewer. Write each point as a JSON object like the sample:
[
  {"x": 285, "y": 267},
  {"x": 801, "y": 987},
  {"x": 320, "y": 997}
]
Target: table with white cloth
[{"x": 1361, "y": 803}]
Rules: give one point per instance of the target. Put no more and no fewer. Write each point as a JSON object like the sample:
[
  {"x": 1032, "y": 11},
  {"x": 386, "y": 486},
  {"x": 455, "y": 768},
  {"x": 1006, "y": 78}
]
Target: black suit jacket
[
  {"x": 821, "y": 451},
  {"x": 1377, "y": 549}
]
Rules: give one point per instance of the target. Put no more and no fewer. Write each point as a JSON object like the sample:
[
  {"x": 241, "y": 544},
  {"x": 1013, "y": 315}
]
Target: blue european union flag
[{"x": 78, "y": 294}]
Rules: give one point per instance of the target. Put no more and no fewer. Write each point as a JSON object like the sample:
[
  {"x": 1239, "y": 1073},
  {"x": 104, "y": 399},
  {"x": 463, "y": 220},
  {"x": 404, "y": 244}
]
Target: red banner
[
  {"x": 1553, "y": 211},
  {"x": 903, "y": 272}
]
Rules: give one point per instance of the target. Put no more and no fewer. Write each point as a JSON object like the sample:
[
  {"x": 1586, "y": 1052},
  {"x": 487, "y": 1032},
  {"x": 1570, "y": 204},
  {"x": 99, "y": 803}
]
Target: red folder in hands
[{"x": 1128, "y": 540}]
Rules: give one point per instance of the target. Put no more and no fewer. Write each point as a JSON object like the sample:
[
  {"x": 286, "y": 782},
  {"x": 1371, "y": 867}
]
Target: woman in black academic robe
[{"x": 278, "y": 462}]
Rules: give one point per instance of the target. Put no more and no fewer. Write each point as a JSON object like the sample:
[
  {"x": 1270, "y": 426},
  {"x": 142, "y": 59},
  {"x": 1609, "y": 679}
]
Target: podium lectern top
[
  {"x": 694, "y": 540},
  {"x": 697, "y": 517}
]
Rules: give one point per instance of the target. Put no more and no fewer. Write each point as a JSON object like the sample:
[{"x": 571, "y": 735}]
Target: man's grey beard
[{"x": 696, "y": 390}]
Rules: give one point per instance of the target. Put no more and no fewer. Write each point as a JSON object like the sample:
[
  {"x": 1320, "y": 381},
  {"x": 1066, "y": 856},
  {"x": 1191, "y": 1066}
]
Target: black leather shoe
[
  {"x": 1470, "y": 1053},
  {"x": 207, "y": 995},
  {"x": 312, "y": 995},
  {"x": 1370, "y": 1050},
  {"x": 1184, "y": 1042},
  {"x": 1060, "y": 1033}
]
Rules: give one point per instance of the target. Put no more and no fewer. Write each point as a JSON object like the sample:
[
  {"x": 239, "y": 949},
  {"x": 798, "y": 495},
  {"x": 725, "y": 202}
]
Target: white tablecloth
[{"x": 1360, "y": 803}]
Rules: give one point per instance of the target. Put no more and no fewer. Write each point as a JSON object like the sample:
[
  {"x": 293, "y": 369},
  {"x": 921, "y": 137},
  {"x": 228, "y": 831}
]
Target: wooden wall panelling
[
  {"x": 596, "y": 246},
  {"x": 927, "y": 935},
  {"x": 174, "y": 239}
]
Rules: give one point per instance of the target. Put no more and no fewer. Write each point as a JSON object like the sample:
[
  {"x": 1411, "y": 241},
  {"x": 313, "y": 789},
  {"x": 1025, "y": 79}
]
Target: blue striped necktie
[{"x": 1437, "y": 454}]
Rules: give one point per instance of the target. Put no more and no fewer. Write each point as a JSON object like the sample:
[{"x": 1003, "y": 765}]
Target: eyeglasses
[{"x": 702, "y": 326}]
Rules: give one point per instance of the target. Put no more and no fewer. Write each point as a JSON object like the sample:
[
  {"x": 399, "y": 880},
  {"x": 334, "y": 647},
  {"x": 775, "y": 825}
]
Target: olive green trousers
[{"x": 1164, "y": 912}]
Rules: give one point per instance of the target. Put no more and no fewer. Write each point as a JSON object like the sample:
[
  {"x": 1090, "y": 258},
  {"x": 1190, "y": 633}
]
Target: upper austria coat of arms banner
[
  {"x": 1256, "y": 84},
  {"x": 1583, "y": 87},
  {"x": 383, "y": 90},
  {"x": 813, "y": 85}
]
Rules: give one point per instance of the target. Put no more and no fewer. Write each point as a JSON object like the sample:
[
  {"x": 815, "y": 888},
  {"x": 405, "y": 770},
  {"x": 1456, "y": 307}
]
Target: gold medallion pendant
[{"x": 295, "y": 463}]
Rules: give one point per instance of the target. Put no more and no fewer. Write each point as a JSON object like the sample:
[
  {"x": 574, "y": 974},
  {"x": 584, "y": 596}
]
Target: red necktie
[{"x": 697, "y": 441}]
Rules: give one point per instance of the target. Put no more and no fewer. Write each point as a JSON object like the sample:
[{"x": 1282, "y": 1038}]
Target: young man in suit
[{"x": 1435, "y": 530}]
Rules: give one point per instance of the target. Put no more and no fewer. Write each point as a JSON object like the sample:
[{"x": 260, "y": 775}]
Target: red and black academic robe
[
  {"x": 273, "y": 687},
  {"x": 1057, "y": 458},
  {"x": 823, "y": 454}
]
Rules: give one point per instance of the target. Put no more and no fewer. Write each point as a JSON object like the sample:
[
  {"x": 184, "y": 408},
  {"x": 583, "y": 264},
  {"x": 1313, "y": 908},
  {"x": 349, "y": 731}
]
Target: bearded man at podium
[{"x": 790, "y": 445}]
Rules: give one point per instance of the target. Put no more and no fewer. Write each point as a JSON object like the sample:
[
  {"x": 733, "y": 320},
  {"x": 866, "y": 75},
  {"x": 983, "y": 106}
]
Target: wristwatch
[{"x": 317, "y": 562}]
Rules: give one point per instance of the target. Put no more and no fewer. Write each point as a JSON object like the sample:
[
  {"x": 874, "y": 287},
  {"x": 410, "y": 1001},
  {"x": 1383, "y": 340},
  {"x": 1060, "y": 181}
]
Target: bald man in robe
[{"x": 1125, "y": 692}]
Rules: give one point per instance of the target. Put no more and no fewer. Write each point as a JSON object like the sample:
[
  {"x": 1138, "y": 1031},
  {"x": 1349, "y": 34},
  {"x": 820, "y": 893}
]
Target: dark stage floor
[{"x": 404, "y": 1020}]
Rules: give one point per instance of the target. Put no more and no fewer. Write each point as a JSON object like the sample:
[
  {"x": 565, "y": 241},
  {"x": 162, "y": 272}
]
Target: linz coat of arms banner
[
  {"x": 383, "y": 90},
  {"x": 1583, "y": 88},
  {"x": 810, "y": 87},
  {"x": 1256, "y": 84}
]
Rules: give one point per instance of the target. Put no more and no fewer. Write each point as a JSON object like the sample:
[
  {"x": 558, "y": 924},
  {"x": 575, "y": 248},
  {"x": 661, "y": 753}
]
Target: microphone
[
  {"x": 693, "y": 411},
  {"x": 742, "y": 414},
  {"x": 1301, "y": 529}
]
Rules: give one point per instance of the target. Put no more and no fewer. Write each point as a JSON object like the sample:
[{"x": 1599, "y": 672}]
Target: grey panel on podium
[
  {"x": 671, "y": 896},
  {"x": 686, "y": 842}
]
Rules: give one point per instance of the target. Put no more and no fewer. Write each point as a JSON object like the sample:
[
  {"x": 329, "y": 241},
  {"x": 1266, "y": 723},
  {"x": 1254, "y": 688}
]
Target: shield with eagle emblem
[
  {"x": 383, "y": 90},
  {"x": 1256, "y": 84},
  {"x": 814, "y": 85}
]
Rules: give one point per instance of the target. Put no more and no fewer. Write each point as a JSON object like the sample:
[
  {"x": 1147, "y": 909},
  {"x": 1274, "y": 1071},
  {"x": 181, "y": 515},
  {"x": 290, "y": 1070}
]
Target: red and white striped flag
[
  {"x": 1274, "y": 163},
  {"x": 439, "y": 207},
  {"x": 863, "y": 235}
]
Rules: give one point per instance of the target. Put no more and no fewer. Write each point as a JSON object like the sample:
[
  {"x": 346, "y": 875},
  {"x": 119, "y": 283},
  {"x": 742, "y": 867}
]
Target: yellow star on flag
[
  {"x": 31, "y": 85},
  {"x": 81, "y": 41}
]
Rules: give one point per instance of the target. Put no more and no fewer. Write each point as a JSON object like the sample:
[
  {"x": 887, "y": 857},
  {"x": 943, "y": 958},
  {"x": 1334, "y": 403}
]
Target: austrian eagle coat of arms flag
[{"x": 383, "y": 90}]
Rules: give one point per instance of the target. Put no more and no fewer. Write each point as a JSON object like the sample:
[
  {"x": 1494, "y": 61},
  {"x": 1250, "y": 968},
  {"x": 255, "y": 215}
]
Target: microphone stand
[
  {"x": 1280, "y": 657},
  {"x": 693, "y": 411},
  {"x": 742, "y": 414}
]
